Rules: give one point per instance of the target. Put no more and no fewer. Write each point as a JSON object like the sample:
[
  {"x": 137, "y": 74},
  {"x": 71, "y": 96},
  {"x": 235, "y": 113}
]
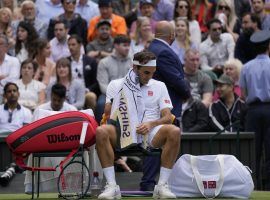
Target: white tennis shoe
[
  {"x": 110, "y": 192},
  {"x": 163, "y": 192}
]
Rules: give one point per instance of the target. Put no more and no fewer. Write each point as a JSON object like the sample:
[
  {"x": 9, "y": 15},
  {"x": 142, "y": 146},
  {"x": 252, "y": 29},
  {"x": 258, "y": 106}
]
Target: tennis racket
[{"x": 74, "y": 178}]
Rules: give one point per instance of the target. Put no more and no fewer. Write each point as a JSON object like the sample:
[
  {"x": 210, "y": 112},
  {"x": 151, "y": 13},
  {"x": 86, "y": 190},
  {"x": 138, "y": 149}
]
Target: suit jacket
[
  {"x": 90, "y": 74},
  {"x": 170, "y": 71}
]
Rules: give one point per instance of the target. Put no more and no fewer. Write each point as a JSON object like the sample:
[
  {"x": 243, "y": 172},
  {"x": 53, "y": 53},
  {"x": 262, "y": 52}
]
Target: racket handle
[{"x": 83, "y": 133}]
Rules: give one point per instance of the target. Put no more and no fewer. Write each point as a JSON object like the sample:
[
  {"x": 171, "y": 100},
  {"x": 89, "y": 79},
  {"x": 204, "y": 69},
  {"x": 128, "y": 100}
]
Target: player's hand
[{"x": 144, "y": 128}]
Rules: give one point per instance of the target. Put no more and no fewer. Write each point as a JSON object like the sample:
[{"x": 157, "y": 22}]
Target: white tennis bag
[{"x": 210, "y": 176}]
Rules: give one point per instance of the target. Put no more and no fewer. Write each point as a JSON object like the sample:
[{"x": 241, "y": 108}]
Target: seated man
[{"x": 151, "y": 121}]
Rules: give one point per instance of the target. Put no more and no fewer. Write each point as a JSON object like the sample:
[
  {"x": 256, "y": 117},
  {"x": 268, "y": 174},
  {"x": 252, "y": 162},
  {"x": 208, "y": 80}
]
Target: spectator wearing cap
[
  {"x": 228, "y": 109},
  {"x": 48, "y": 9},
  {"x": 102, "y": 45},
  {"x": 75, "y": 23},
  {"x": 146, "y": 10},
  {"x": 28, "y": 11},
  {"x": 255, "y": 84},
  {"x": 118, "y": 23},
  {"x": 87, "y": 9}
]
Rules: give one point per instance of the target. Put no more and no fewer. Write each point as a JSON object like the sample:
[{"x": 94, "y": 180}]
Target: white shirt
[
  {"x": 19, "y": 117},
  {"x": 155, "y": 96},
  {"x": 88, "y": 11},
  {"x": 59, "y": 50},
  {"x": 29, "y": 94},
  {"x": 9, "y": 68},
  {"x": 77, "y": 68},
  {"x": 213, "y": 54}
]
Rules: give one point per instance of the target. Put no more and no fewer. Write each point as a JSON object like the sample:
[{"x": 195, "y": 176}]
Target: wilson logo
[{"x": 57, "y": 138}]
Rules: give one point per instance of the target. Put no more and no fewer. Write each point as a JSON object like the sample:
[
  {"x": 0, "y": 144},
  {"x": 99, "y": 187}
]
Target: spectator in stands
[
  {"x": 228, "y": 109},
  {"x": 84, "y": 68},
  {"x": 217, "y": 48},
  {"x": 29, "y": 15},
  {"x": 182, "y": 40},
  {"x": 87, "y": 9},
  {"x": 12, "y": 5},
  {"x": 254, "y": 83},
  {"x": 232, "y": 68},
  {"x": 5, "y": 19},
  {"x": 146, "y": 10},
  {"x": 158, "y": 128},
  {"x": 13, "y": 115},
  {"x": 59, "y": 45},
  {"x": 46, "y": 67},
  {"x": 183, "y": 10},
  {"x": 56, "y": 103},
  {"x": 112, "y": 67},
  {"x": 25, "y": 41},
  {"x": 202, "y": 11},
  {"x": 225, "y": 12},
  {"x": 258, "y": 9},
  {"x": 118, "y": 24},
  {"x": 194, "y": 116},
  {"x": 53, "y": 6},
  {"x": 142, "y": 36},
  {"x": 9, "y": 65},
  {"x": 163, "y": 10},
  {"x": 241, "y": 7},
  {"x": 75, "y": 23},
  {"x": 201, "y": 85},
  {"x": 102, "y": 45},
  {"x": 75, "y": 94},
  {"x": 32, "y": 92},
  {"x": 244, "y": 48}
]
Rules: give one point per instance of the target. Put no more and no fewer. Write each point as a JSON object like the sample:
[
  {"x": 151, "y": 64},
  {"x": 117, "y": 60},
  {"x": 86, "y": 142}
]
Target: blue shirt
[
  {"x": 88, "y": 11},
  {"x": 180, "y": 52},
  {"x": 46, "y": 10},
  {"x": 163, "y": 11},
  {"x": 255, "y": 79}
]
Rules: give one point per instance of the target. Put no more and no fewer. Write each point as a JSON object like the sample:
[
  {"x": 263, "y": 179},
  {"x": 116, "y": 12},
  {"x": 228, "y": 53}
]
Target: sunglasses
[
  {"x": 217, "y": 29},
  {"x": 223, "y": 8},
  {"x": 78, "y": 73},
  {"x": 181, "y": 7},
  {"x": 41, "y": 76},
  {"x": 73, "y": 2}
]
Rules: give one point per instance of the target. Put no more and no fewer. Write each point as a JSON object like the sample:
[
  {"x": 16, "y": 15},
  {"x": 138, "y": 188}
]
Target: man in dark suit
[{"x": 170, "y": 71}]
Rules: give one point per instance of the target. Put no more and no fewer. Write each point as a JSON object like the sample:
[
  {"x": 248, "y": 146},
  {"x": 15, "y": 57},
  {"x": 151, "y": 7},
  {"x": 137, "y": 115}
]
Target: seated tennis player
[{"x": 140, "y": 114}]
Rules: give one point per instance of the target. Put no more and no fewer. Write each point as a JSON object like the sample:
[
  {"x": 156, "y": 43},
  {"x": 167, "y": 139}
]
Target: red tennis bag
[{"x": 59, "y": 132}]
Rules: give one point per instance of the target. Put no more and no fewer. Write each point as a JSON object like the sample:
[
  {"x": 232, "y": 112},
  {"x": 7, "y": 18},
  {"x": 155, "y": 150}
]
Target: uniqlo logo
[
  {"x": 150, "y": 93},
  {"x": 210, "y": 184},
  {"x": 167, "y": 101}
]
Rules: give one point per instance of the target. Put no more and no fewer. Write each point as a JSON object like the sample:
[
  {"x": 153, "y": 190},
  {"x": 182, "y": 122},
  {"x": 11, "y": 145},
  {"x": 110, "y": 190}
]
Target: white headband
[{"x": 151, "y": 63}]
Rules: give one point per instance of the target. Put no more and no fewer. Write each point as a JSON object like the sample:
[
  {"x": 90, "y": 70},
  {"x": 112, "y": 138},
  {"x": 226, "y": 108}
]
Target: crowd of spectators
[{"x": 83, "y": 45}]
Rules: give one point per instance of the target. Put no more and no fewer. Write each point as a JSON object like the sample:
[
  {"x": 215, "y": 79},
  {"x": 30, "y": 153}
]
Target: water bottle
[{"x": 95, "y": 185}]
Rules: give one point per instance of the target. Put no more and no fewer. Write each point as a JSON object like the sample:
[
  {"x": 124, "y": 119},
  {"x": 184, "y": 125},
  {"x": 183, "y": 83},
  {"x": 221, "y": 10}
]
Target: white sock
[
  {"x": 164, "y": 175},
  {"x": 109, "y": 174}
]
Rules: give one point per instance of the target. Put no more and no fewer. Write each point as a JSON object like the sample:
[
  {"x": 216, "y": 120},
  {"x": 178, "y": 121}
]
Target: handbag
[{"x": 210, "y": 176}]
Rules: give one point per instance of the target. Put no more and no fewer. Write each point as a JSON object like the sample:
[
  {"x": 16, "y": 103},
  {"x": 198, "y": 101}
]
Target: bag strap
[{"x": 197, "y": 176}]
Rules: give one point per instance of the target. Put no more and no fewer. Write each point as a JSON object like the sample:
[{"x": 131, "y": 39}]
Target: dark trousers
[
  {"x": 258, "y": 121},
  {"x": 151, "y": 167}
]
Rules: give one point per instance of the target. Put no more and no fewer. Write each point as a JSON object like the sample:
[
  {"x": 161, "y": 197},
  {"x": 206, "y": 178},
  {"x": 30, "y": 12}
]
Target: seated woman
[
  {"x": 182, "y": 40},
  {"x": 142, "y": 36},
  {"x": 75, "y": 94},
  {"x": 32, "y": 92},
  {"x": 183, "y": 10},
  {"x": 46, "y": 67},
  {"x": 25, "y": 41},
  {"x": 225, "y": 12}
]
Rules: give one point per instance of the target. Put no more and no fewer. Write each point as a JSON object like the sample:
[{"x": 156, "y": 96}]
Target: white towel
[{"x": 128, "y": 109}]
